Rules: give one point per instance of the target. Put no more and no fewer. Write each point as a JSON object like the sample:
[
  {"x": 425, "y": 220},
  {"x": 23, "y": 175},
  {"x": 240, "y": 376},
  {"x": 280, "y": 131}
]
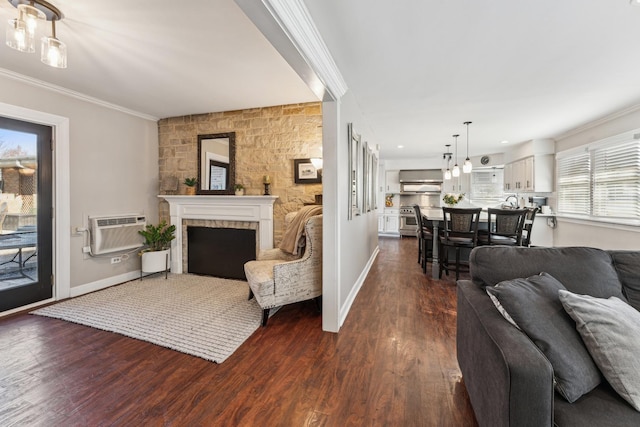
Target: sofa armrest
[{"x": 509, "y": 381}]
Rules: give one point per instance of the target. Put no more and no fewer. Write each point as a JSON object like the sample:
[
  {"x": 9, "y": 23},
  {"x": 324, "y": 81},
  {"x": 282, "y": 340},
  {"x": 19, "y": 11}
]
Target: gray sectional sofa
[{"x": 509, "y": 379}]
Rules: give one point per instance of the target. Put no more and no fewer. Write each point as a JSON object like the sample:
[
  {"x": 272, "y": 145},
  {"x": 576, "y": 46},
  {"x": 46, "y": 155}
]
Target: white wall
[
  {"x": 113, "y": 159},
  {"x": 357, "y": 238},
  {"x": 591, "y": 233}
]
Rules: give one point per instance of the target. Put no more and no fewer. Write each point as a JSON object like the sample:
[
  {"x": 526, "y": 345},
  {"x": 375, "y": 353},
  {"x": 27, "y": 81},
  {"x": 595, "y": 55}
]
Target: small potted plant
[
  {"x": 452, "y": 199},
  {"x": 191, "y": 185},
  {"x": 239, "y": 189},
  {"x": 158, "y": 241}
]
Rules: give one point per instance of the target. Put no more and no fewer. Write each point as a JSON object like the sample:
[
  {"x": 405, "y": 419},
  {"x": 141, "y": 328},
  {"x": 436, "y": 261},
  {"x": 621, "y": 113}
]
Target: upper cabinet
[
  {"x": 533, "y": 174},
  {"x": 392, "y": 182}
]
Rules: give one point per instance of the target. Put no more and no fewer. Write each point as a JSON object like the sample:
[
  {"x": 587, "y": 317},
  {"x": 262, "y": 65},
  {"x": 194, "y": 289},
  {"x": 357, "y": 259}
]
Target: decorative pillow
[
  {"x": 534, "y": 305},
  {"x": 610, "y": 328}
]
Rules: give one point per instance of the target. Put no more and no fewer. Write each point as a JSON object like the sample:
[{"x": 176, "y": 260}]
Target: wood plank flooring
[{"x": 392, "y": 364}]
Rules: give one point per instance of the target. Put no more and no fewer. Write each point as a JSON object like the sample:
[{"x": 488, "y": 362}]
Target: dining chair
[
  {"x": 528, "y": 226},
  {"x": 504, "y": 227},
  {"x": 460, "y": 230},
  {"x": 424, "y": 233}
]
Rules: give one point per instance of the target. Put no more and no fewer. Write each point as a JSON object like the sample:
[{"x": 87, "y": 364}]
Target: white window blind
[
  {"x": 603, "y": 181},
  {"x": 574, "y": 184},
  {"x": 616, "y": 181}
]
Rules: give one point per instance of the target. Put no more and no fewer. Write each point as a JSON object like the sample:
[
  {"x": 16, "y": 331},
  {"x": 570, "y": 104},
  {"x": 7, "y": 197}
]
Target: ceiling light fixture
[
  {"x": 21, "y": 31},
  {"x": 468, "y": 166},
  {"x": 447, "y": 156},
  {"x": 456, "y": 168}
]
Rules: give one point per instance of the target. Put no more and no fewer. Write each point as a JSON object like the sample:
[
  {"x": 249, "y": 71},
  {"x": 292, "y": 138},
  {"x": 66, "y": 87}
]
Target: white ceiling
[{"x": 519, "y": 70}]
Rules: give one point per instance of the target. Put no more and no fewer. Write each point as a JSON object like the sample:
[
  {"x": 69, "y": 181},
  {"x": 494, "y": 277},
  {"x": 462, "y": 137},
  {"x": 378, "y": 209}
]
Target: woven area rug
[{"x": 202, "y": 316}]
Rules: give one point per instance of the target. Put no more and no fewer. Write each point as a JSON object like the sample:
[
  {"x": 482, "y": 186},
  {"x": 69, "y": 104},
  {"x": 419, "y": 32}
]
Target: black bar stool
[{"x": 460, "y": 230}]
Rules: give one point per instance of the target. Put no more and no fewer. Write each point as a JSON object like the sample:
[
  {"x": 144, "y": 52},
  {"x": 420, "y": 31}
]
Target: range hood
[{"x": 414, "y": 176}]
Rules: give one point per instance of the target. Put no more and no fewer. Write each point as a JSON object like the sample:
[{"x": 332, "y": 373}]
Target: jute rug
[{"x": 202, "y": 316}]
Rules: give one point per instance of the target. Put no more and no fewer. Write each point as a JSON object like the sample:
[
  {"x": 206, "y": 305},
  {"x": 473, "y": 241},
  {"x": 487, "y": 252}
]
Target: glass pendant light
[
  {"x": 456, "y": 168},
  {"x": 18, "y": 36},
  {"x": 447, "y": 157},
  {"x": 467, "y": 167},
  {"x": 31, "y": 15},
  {"x": 53, "y": 52}
]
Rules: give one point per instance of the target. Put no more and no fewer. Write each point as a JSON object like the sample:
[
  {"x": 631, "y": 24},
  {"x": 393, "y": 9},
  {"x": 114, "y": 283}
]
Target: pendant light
[
  {"x": 456, "y": 168},
  {"x": 447, "y": 157},
  {"x": 467, "y": 167},
  {"x": 21, "y": 31}
]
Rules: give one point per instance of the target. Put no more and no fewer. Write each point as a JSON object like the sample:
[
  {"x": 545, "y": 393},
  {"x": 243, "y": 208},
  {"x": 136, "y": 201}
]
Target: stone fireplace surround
[{"x": 218, "y": 211}]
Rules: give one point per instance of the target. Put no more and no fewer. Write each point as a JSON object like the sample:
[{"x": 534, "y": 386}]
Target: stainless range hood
[
  {"x": 421, "y": 181},
  {"x": 421, "y": 175}
]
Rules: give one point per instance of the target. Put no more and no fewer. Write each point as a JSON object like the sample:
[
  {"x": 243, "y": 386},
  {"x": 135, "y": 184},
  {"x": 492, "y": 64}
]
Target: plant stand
[{"x": 155, "y": 262}]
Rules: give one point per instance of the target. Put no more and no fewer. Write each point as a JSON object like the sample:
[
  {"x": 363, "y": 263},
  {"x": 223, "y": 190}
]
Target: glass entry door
[{"x": 26, "y": 216}]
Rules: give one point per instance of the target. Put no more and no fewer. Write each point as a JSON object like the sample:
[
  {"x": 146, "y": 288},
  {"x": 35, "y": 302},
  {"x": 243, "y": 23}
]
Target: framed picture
[
  {"x": 305, "y": 172},
  {"x": 355, "y": 172}
]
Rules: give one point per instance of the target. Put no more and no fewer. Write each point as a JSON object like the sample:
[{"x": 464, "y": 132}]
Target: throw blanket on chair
[{"x": 293, "y": 237}]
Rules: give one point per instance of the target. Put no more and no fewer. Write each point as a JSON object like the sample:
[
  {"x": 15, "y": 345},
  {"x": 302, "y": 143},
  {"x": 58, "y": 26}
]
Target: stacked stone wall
[{"x": 267, "y": 142}]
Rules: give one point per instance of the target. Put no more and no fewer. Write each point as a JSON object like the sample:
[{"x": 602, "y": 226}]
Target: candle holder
[{"x": 267, "y": 189}]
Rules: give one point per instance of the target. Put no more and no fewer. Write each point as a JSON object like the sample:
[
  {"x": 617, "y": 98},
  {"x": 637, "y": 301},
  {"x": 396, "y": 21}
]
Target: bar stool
[
  {"x": 528, "y": 226},
  {"x": 425, "y": 238},
  {"x": 505, "y": 227},
  {"x": 460, "y": 230}
]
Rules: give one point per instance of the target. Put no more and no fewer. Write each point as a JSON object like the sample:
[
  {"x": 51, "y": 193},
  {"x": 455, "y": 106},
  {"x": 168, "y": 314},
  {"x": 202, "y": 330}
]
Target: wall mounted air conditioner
[{"x": 116, "y": 233}]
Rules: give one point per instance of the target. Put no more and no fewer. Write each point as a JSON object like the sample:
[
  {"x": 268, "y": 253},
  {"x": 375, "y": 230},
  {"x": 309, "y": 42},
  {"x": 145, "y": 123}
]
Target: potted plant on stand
[
  {"x": 239, "y": 189},
  {"x": 191, "y": 185},
  {"x": 155, "y": 257}
]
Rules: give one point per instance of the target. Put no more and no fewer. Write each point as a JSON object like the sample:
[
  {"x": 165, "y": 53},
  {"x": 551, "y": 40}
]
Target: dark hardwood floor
[{"x": 392, "y": 364}]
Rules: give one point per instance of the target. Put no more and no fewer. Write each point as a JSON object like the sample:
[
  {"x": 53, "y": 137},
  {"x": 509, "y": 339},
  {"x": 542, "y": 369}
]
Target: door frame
[{"x": 61, "y": 198}]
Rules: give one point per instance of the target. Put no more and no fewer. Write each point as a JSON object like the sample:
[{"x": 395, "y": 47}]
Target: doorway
[{"x": 26, "y": 190}]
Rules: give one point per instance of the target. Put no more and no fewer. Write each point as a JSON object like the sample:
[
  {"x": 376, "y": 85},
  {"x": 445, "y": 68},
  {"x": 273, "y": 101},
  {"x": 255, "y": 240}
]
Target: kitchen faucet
[{"x": 511, "y": 203}]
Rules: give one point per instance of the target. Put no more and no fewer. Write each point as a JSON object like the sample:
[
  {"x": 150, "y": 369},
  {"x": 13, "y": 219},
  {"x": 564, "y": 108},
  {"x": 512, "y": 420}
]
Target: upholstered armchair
[{"x": 276, "y": 279}]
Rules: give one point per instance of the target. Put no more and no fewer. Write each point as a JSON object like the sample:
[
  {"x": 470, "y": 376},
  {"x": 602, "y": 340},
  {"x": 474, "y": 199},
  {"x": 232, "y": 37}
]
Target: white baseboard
[
  {"x": 344, "y": 310},
  {"x": 103, "y": 283}
]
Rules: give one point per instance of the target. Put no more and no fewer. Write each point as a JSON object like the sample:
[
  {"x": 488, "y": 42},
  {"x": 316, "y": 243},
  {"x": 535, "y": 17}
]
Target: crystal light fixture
[
  {"x": 467, "y": 167},
  {"x": 21, "y": 31},
  {"x": 456, "y": 168}
]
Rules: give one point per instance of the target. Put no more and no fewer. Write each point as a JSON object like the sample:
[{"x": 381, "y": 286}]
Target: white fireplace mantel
[{"x": 231, "y": 208}]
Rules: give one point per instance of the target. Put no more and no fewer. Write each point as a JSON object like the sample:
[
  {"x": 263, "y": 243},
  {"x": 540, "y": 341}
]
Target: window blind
[
  {"x": 574, "y": 184},
  {"x": 616, "y": 181},
  {"x": 601, "y": 182}
]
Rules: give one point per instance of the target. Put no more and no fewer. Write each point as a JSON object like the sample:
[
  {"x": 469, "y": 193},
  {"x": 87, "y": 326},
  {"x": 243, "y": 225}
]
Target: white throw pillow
[{"x": 610, "y": 328}]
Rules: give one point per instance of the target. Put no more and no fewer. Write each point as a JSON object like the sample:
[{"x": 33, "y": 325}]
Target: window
[{"x": 601, "y": 181}]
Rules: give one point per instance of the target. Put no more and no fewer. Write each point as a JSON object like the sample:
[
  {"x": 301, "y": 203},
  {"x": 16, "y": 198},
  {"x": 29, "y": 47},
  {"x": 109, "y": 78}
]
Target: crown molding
[
  {"x": 598, "y": 122},
  {"x": 73, "y": 94},
  {"x": 295, "y": 20}
]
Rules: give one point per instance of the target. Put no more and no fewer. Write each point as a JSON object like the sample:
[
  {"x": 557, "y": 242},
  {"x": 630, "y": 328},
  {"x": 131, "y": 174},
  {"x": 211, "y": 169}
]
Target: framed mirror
[{"x": 217, "y": 163}]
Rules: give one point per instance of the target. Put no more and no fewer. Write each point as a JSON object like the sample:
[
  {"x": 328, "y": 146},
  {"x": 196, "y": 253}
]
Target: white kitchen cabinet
[
  {"x": 508, "y": 177},
  {"x": 529, "y": 175},
  {"x": 392, "y": 181},
  {"x": 389, "y": 222}
]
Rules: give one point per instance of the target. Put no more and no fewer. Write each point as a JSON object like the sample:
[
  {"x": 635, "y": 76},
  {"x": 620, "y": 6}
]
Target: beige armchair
[{"x": 276, "y": 280}]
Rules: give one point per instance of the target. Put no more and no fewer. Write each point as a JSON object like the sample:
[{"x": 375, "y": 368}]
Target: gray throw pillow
[
  {"x": 535, "y": 306},
  {"x": 610, "y": 329}
]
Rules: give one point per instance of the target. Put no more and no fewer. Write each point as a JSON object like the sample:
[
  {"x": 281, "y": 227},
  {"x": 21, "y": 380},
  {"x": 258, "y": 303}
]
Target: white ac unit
[{"x": 116, "y": 233}]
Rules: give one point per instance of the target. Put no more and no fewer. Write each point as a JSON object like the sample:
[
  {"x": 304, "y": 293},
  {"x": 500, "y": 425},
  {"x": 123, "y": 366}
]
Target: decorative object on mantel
[
  {"x": 191, "y": 184},
  {"x": 169, "y": 185},
  {"x": 155, "y": 258},
  {"x": 305, "y": 172},
  {"x": 452, "y": 199},
  {"x": 21, "y": 31},
  {"x": 239, "y": 189},
  {"x": 266, "y": 180}
]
